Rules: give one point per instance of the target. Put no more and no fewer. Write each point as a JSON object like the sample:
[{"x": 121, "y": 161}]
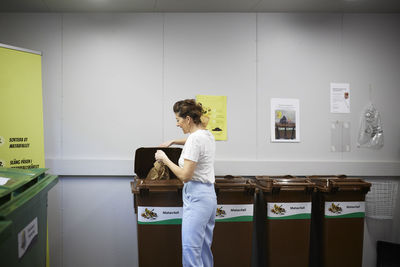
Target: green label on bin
[
  {"x": 350, "y": 209},
  {"x": 289, "y": 210},
  {"x": 234, "y": 213},
  {"x": 159, "y": 215}
]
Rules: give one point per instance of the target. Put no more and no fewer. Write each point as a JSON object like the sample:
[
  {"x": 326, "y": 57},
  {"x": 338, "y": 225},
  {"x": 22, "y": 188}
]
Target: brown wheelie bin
[
  {"x": 232, "y": 239},
  {"x": 158, "y": 209},
  {"x": 287, "y": 222},
  {"x": 338, "y": 220}
]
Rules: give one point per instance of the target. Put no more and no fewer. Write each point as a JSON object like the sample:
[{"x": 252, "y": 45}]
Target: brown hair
[{"x": 189, "y": 107}]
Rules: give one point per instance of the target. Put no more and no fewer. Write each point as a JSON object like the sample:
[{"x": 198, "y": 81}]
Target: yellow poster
[
  {"x": 21, "y": 112},
  {"x": 215, "y": 111}
]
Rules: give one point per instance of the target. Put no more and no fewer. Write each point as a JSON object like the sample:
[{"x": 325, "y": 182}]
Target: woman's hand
[
  {"x": 167, "y": 143},
  {"x": 160, "y": 155}
]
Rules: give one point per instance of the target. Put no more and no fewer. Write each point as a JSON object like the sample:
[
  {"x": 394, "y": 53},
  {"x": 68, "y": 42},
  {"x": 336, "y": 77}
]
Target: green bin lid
[{"x": 14, "y": 181}]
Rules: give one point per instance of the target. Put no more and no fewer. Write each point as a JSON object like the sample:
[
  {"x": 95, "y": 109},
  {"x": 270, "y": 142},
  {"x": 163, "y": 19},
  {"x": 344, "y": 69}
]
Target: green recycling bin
[
  {"x": 338, "y": 221},
  {"x": 23, "y": 216},
  {"x": 233, "y": 231},
  {"x": 288, "y": 220}
]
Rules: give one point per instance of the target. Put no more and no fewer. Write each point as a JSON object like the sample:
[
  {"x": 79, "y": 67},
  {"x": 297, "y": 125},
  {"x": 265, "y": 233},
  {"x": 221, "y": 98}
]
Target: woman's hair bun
[{"x": 189, "y": 107}]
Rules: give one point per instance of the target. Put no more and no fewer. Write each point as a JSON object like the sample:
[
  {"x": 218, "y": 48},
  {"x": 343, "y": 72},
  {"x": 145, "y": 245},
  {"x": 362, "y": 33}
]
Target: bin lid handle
[
  {"x": 150, "y": 186},
  {"x": 154, "y": 190},
  {"x": 293, "y": 183},
  {"x": 155, "y": 187},
  {"x": 233, "y": 190},
  {"x": 358, "y": 183},
  {"x": 232, "y": 185}
]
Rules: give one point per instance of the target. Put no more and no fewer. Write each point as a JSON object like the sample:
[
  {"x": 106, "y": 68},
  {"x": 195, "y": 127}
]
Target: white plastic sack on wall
[{"x": 370, "y": 134}]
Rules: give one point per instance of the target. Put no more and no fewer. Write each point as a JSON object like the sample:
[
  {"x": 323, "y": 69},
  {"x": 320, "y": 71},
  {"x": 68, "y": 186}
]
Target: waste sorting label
[
  {"x": 351, "y": 209},
  {"x": 289, "y": 210},
  {"x": 234, "y": 213},
  {"x": 26, "y": 236},
  {"x": 159, "y": 215}
]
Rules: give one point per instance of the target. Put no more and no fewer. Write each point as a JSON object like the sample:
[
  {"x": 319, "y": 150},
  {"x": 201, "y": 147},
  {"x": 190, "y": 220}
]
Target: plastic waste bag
[{"x": 370, "y": 134}]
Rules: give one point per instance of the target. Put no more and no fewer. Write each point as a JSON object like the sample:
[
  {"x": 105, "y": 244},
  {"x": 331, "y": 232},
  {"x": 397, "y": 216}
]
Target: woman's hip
[{"x": 194, "y": 189}]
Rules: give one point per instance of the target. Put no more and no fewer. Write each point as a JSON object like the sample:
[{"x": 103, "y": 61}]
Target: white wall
[
  {"x": 212, "y": 54},
  {"x": 110, "y": 81},
  {"x": 112, "y": 71}
]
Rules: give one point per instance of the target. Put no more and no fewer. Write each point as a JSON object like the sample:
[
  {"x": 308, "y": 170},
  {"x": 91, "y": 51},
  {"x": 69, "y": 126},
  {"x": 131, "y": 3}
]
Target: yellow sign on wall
[
  {"x": 215, "y": 110},
  {"x": 21, "y": 112}
]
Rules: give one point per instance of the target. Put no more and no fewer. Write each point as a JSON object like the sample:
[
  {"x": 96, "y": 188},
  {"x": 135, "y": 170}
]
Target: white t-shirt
[{"x": 200, "y": 148}]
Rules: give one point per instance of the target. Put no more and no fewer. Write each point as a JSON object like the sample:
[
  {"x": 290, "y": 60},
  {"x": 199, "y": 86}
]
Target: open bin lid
[
  {"x": 144, "y": 159},
  {"x": 15, "y": 181}
]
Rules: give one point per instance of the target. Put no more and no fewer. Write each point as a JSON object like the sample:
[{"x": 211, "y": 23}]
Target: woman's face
[{"x": 182, "y": 123}]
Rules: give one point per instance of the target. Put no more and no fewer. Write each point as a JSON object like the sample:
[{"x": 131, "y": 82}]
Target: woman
[{"x": 196, "y": 171}]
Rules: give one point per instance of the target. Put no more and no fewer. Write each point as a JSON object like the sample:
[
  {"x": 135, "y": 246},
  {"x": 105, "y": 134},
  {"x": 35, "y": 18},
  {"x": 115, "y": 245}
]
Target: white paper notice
[
  {"x": 3, "y": 180},
  {"x": 26, "y": 236},
  {"x": 340, "y": 98}
]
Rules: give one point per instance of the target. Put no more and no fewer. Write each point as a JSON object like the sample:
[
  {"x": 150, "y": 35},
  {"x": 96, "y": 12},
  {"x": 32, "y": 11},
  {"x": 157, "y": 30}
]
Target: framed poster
[{"x": 285, "y": 120}]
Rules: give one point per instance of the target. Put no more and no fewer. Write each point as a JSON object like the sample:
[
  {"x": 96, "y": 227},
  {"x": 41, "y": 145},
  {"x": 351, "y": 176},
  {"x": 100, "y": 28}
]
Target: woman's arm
[
  {"x": 184, "y": 174},
  {"x": 180, "y": 141},
  {"x": 173, "y": 142}
]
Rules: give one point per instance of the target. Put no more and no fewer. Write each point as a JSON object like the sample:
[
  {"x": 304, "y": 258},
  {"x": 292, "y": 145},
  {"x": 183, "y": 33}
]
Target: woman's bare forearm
[
  {"x": 184, "y": 174},
  {"x": 180, "y": 141}
]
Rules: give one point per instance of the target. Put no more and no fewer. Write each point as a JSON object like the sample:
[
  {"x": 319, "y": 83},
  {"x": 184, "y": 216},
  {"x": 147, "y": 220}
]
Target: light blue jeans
[{"x": 198, "y": 220}]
